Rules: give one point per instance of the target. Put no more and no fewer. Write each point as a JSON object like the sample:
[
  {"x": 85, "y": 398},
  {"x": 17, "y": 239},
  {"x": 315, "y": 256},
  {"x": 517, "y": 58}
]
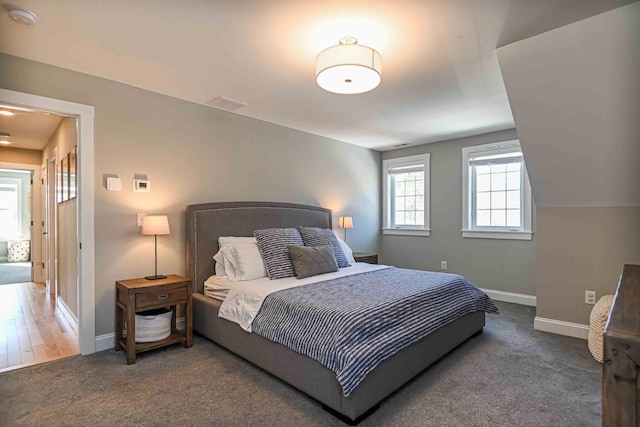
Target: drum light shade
[{"x": 348, "y": 68}]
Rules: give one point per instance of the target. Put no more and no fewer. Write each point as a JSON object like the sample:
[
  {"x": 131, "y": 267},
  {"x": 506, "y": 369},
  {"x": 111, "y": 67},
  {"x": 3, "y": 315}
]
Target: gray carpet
[
  {"x": 15, "y": 272},
  {"x": 509, "y": 376}
]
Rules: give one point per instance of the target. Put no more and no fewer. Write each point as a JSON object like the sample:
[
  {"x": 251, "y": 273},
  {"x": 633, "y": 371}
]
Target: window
[
  {"x": 496, "y": 194},
  {"x": 10, "y": 212},
  {"x": 406, "y": 195}
]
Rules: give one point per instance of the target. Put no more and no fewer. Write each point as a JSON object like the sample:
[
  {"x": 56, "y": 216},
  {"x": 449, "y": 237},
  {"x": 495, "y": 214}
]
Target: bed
[{"x": 207, "y": 222}]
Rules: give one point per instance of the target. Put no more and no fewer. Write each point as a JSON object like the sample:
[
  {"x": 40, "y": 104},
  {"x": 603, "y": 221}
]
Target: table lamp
[
  {"x": 154, "y": 225},
  {"x": 345, "y": 222}
]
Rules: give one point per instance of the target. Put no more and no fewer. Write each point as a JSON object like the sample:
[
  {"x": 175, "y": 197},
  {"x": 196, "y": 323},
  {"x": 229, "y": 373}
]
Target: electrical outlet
[
  {"x": 443, "y": 265},
  {"x": 139, "y": 217},
  {"x": 590, "y": 297}
]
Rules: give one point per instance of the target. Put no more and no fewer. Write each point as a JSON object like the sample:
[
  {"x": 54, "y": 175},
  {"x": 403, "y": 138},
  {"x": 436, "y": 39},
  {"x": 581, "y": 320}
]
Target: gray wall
[
  {"x": 582, "y": 249},
  {"x": 20, "y": 155},
  {"x": 575, "y": 100},
  {"x": 194, "y": 154},
  {"x": 505, "y": 265}
]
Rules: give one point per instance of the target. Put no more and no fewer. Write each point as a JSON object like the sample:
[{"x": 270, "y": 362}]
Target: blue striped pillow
[
  {"x": 323, "y": 236},
  {"x": 273, "y": 243}
]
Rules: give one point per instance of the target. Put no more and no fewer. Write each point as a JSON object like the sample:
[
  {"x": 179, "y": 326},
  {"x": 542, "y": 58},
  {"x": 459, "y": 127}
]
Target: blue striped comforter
[{"x": 351, "y": 324}]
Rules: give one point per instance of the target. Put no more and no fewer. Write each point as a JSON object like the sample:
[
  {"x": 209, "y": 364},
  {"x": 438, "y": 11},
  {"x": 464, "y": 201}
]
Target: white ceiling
[
  {"x": 441, "y": 78},
  {"x": 29, "y": 130}
]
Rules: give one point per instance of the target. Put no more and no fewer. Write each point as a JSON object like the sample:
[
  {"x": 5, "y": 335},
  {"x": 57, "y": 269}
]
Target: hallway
[{"x": 31, "y": 330}]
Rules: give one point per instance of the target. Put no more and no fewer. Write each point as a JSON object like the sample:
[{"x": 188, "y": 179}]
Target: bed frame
[{"x": 207, "y": 222}]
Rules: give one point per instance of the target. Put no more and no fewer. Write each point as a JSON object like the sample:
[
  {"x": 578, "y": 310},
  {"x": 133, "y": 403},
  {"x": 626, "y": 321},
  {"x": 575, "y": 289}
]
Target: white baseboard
[
  {"x": 68, "y": 315},
  {"x": 561, "y": 327},
  {"x": 511, "y": 297},
  {"x": 106, "y": 341}
]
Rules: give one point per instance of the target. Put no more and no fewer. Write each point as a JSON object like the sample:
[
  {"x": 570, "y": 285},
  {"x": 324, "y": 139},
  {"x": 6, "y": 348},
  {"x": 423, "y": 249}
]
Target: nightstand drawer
[{"x": 160, "y": 297}]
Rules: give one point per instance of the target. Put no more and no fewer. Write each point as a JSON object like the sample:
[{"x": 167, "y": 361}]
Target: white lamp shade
[
  {"x": 154, "y": 225},
  {"x": 348, "y": 68},
  {"x": 345, "y": 222}
]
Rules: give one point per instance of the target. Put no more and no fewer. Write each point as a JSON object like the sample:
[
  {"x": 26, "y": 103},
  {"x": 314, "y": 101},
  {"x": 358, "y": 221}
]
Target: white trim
[
  {"x": 522, "y": 299},
  {"x": 467, "y": 232},
  {"x": 85, "y": 205},
  {"x": 504, "y": 235},
  {"x": 106, "y": 341},
  {"x": 67, "y": 314},
  {"x": 561, "y": 327},
  {"x": 408, "y": 231},
  {"x": 386, "y": 208}
]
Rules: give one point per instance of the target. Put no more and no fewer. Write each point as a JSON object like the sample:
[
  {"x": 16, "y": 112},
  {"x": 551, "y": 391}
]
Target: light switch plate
[{"x": 139, "y": 217}]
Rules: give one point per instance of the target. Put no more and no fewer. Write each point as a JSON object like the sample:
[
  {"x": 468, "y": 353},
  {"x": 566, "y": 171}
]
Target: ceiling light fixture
[
  {"x": 20, "y": 15},
  {"x": 6, "y": 113},
  {"x": 348, "y": 68}
]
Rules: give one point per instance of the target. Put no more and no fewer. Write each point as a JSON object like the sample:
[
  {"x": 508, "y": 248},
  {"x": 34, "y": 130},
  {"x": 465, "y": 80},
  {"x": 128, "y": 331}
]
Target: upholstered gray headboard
[{"x": 206, "y": 222}]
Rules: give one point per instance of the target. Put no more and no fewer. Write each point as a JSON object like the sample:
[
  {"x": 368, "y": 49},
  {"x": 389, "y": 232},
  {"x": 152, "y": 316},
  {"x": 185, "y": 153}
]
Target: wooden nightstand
[
  {"x": 136, "y": 295},
  {"x": 364, "y": 257}
]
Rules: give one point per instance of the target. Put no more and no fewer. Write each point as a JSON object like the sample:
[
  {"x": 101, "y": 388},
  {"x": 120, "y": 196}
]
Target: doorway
[
  {"x": 37, "y": 323},
  {"x": 85, "y": 205},
  {"x": 16, "y": 202}
]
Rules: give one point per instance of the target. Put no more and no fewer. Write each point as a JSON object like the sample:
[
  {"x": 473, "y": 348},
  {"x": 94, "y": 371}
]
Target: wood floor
[{"x": 32, "y": 331}]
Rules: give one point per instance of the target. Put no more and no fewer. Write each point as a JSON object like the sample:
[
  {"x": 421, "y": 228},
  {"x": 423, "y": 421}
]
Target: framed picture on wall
[
  {"x": 65, "y": 177},
  {"x": 59, "y": 182},
  {"x": 72, "y": 173}
]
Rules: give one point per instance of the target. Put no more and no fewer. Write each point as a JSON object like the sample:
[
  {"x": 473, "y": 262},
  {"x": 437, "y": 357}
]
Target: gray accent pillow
[
  {"x": 323, "y": 236},
  {"x": 273, "y": 243},
  {"x": 311, "y": 261}
]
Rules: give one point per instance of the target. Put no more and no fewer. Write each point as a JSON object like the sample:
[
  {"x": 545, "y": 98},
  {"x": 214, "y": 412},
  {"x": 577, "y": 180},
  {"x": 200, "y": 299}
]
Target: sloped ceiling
[
  {"x": 441, "y": 78},
  {"x": 575, "y": 97}
]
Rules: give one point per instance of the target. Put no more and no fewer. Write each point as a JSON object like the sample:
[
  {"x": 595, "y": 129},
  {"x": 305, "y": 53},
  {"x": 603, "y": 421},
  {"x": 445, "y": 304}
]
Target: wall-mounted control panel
[
  {"x": 114, "y": 184},
  {"x": 141, "y": 185}
]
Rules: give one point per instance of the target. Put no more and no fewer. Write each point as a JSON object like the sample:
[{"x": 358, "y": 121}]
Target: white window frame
[
  {"x": 388, "y": 164},
  {"x": 526, "y": 232},
  {"x": 17, "y": 182}
]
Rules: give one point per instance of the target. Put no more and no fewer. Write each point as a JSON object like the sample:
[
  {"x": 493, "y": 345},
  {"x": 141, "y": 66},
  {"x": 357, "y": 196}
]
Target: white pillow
[
  {"x": 219, "y": 257},
  {"x": 243, "y": 261},
  {"x": 347, "y": 251}
]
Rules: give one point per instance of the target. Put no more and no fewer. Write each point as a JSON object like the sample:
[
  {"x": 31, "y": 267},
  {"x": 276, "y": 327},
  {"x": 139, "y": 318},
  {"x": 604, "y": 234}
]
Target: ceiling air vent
[
  {"x": 225, "y": 104},
  {"x": 404, "y": 144}
]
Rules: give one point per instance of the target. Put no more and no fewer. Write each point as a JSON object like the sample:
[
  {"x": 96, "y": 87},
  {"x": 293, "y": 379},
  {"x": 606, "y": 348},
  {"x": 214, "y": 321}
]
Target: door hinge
[
  {"x": 80, "y": 246},
  {"x": 43, "y": 223},
  {"x": 32, "y": 223},
  {"x": 32, "y": 182},
  {"x": 42, "y": 179}
]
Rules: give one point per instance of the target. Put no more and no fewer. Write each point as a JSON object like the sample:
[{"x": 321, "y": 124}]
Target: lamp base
[{"x": 155, "y": 277}]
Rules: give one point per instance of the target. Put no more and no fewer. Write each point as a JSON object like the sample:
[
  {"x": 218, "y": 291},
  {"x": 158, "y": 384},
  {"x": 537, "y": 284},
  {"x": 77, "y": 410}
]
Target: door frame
[
  {"x": 34, "y": 215},
  {"x": 85, "y": 206},
  {"x": 50, "y": 223}
]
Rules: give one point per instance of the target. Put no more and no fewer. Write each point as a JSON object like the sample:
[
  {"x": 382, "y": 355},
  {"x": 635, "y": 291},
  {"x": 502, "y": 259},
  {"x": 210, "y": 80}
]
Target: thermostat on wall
[{"x": 141, "y": 185}]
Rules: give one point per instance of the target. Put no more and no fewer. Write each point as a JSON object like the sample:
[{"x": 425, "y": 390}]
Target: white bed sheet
[
  {"x": 245, "y": 298},
  {"x": 217, "y": 287}
]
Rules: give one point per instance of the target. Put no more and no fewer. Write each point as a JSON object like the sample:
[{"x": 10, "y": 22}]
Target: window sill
[
  {"x": 503, "y": 235},
  {"x": 426, "y": 232}
]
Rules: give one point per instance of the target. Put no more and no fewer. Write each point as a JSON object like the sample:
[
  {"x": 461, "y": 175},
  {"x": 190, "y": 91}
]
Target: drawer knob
[{"x": 163, "y": 296}]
